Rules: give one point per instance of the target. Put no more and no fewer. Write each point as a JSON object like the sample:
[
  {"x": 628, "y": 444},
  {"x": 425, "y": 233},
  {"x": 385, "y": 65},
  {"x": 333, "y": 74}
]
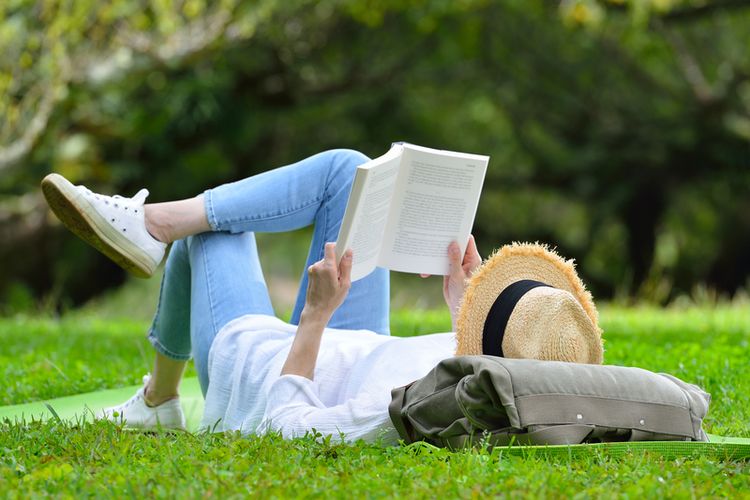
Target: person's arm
[
  {"x": 327, "y": 287},
  {"x": 294, "y": 408},
  {"x": 460, "y": 269}
]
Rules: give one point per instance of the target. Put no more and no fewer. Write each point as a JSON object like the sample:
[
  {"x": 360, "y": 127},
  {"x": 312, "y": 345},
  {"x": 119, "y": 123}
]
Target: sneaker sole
[
  {"x": 140, "y": 427},
  {"x": 144, "y": 428},
  {"x": 81, "y": 218},
  {"x": 156, "y": 430}
]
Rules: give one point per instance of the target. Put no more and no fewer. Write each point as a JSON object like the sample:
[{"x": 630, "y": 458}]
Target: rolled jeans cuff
[
  {"x": 208, "y": 202},
  {"x": 164, "y": 351}
]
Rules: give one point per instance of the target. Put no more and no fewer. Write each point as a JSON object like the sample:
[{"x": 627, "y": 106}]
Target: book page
[
  {"x": 434, "y": 203},
  {"x": 367, "y": 212}
]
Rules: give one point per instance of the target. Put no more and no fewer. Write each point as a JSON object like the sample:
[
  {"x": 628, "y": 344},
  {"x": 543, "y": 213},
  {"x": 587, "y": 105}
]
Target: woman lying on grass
[{"x": 332, "y": 367}]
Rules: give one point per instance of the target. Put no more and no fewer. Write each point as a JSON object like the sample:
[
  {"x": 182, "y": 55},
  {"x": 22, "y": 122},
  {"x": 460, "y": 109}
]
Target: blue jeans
[{"x": 213, "y": 278}]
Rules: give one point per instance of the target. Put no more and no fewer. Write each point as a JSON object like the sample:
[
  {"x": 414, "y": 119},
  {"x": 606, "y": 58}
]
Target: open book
[{"x": 406, "y": 206}]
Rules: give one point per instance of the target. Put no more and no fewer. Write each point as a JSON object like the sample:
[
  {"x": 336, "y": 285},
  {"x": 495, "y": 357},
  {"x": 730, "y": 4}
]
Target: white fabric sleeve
[{"x": 294, "y": 409}]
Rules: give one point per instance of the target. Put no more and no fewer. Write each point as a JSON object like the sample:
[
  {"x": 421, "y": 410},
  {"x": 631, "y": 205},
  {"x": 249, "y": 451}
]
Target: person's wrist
[
  {"x": 315, "y": 315},
  {"x": 453, "y": 307}
]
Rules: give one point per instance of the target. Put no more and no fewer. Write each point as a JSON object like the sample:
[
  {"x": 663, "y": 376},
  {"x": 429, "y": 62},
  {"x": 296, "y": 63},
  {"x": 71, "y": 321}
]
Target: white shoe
[
  {"x": 136, "y": 413},
  {"x": 114, "y": 225}
]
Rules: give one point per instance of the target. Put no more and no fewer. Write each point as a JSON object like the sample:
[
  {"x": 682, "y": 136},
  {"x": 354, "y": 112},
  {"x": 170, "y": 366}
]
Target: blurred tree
[
  {"x": 624, "y": 116},
  {"x": 65, "y": 69},
  {"x": 619, "y": 130}
]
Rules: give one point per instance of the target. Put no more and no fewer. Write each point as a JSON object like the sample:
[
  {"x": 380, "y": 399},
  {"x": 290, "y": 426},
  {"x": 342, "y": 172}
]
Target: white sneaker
[
  {"x": 136, "y": 413},
  {"x": 114, "y": 225}
]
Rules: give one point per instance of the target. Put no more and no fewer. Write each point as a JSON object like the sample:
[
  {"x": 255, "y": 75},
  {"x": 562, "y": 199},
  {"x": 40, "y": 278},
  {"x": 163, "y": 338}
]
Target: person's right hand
[
  {"x": 454, "y": 284},
  {"x": 328, "y": 283}
]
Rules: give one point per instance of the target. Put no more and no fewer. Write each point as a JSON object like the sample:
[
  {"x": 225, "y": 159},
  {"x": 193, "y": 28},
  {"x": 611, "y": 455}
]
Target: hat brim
[{"x": 511, "y": 263}]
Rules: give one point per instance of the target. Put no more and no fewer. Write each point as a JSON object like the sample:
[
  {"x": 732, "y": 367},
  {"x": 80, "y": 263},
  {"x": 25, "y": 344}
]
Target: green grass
[{"x": 44, "y": 358}]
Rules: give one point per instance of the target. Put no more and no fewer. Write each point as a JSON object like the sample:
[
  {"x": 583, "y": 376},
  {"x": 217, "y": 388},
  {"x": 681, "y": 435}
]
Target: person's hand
[
  {"x": 328, "y": 283},
  {"x": 327, "y": 287},
  {"x": 454, "y": 284}
]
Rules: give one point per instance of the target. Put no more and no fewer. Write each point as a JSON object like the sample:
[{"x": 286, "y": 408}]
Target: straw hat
[{"x": 525, "y": 301}]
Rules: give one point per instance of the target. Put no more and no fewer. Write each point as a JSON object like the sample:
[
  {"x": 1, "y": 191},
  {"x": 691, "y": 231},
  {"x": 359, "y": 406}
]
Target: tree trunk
[{"x": 641, "y": 215}]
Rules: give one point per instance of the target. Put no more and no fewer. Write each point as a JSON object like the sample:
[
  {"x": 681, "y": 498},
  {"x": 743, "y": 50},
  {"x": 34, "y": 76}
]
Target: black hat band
[{"x": 502, "y": 308}]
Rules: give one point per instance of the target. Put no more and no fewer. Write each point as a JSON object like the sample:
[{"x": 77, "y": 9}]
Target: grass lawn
[{"x": 44, "y": 358}]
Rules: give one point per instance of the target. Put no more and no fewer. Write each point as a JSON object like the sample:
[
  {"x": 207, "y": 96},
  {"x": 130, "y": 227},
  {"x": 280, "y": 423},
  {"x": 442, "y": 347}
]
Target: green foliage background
[{"x": 619, "y": 130}]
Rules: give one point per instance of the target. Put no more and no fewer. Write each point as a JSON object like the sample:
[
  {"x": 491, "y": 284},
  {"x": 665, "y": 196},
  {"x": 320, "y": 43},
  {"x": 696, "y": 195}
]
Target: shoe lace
[
  {"x": 130, "y": 401},
  {"x": 139, "y": 395},
  {"x": 138, "y": 198}
]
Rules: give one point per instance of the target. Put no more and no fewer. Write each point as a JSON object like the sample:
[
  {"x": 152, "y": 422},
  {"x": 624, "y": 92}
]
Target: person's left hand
[
  {"x": 328, "y": 283},
  {"x": 454, "y": 284}
]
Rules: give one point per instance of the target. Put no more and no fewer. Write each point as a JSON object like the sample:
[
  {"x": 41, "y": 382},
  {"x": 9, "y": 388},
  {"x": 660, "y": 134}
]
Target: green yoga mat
[
  {"x": 87, "y": 405},
  {"x": 718, "y": 447}
]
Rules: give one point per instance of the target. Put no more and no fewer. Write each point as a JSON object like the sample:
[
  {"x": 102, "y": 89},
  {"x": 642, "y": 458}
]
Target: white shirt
[{"x": 348, "y": 397}]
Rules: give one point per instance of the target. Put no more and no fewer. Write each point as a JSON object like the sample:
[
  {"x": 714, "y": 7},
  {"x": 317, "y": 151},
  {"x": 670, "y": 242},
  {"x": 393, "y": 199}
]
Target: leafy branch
[{"x": 69, "y": 58}]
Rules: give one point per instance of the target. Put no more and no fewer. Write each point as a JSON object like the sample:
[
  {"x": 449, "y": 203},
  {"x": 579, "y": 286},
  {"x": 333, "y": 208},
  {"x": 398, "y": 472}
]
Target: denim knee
[
  {"x": 343, "y": 165},
  {"x": 350, "y": 159}
]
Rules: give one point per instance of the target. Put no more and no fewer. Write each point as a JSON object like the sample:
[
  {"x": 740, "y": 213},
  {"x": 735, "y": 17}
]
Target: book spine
[{"x": 343, "y": 242}]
